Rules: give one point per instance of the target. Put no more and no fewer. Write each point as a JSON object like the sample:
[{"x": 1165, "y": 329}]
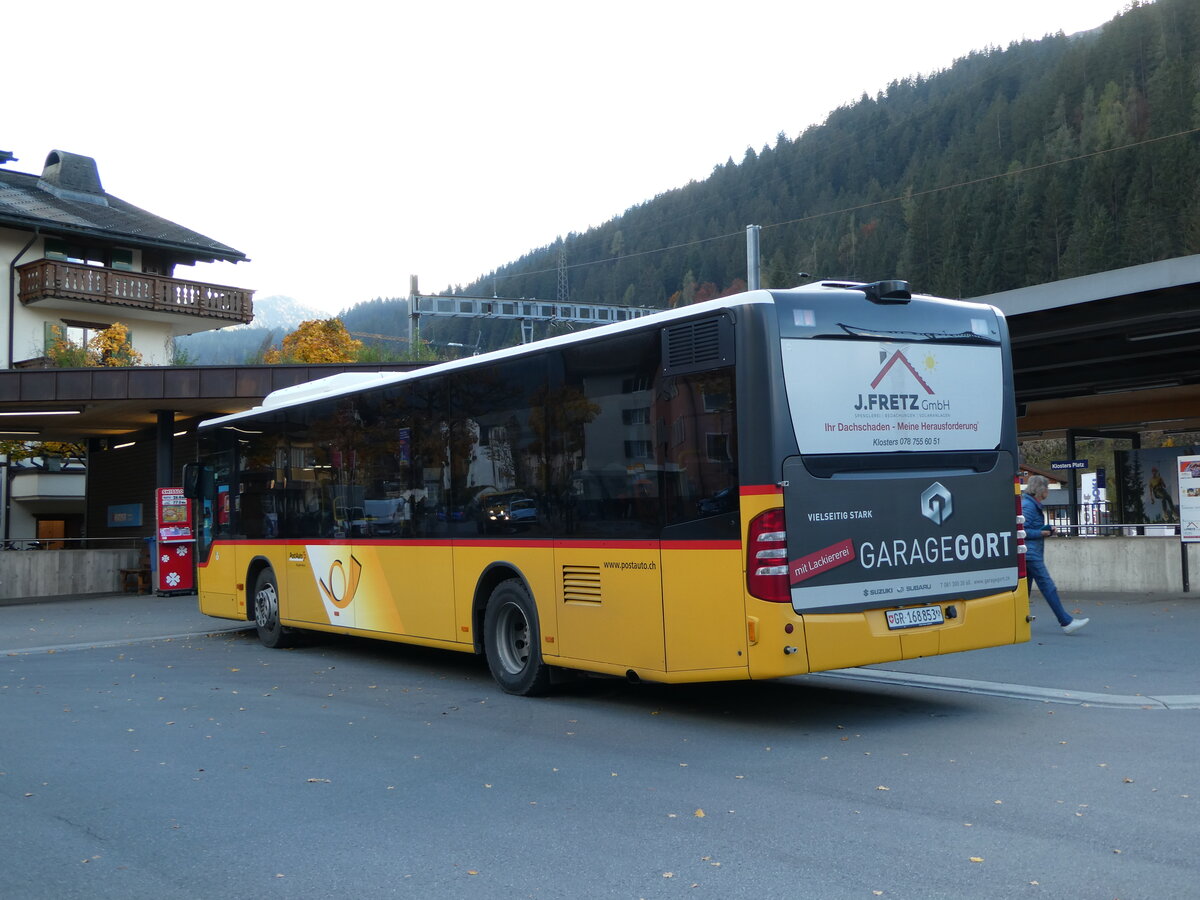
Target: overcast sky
[{"x": 345, "y": 146}]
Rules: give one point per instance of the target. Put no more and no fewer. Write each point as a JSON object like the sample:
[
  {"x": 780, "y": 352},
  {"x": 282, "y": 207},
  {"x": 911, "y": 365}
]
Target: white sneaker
[{"x": 1074, "y": 625}]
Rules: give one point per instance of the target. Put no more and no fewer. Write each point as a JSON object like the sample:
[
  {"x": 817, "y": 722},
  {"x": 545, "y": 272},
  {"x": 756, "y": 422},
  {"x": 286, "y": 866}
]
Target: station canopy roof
[{"x": 1114, "y": 351}]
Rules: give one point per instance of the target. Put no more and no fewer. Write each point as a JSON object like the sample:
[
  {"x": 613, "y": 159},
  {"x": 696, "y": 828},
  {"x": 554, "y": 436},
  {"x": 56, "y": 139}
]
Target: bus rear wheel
[
  {"x": 266, "y": 612},
  {"x": 512, "y": 640}
]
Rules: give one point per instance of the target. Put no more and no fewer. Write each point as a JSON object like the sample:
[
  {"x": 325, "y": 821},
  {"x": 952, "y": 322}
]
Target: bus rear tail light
[
  {"x": 1022, "y": 569},
  {"x": 766, "y": 558}
]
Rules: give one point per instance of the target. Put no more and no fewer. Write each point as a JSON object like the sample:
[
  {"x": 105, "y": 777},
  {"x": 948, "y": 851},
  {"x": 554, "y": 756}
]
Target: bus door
[
  {"x": 322, "y": 572},
  {"x": 211, "y": 484}
]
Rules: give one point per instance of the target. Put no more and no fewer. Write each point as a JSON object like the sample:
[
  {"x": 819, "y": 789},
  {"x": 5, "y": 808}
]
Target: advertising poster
[
  {"x": 125, "y": 515},
  {"x": 175, "y": 542},
  {"x": 894, "y": 541},
  {"x": 1161, "y": 485},
  {"x": 904, "y": 538},
  {"x": 1189, "y": 498},
  {"x": 881, "y": 397}
]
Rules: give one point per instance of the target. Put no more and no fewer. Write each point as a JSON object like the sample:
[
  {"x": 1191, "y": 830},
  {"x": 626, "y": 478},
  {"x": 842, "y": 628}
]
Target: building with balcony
[
  {"x": 80, "y": 259},
  {"x": 77, "y": 260}
]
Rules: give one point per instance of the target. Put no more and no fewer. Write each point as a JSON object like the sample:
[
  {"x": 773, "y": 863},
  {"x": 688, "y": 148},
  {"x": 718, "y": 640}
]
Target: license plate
[{"x": 914, "y": 617}]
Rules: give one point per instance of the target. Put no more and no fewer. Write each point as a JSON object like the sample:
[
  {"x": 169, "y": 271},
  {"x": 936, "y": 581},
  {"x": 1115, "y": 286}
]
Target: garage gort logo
[{"x": 937, "y": 505}]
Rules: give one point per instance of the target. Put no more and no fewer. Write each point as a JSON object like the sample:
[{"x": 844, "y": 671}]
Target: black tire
[
  {"x": 512, "y": 640},
  {"x": 266, "y": 612}
]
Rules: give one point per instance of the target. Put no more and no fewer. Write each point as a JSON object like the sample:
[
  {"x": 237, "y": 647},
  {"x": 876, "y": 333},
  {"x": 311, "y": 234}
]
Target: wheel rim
[
  {"x": 266, "y": 607},
  {"x": 512, "y": 638}
]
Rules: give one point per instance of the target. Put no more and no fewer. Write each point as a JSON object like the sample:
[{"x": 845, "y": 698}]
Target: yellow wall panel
[{"x": 406, "y": 590}]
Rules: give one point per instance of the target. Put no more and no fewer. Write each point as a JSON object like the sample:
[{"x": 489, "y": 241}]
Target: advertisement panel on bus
[{"x": 876, "y": 533}]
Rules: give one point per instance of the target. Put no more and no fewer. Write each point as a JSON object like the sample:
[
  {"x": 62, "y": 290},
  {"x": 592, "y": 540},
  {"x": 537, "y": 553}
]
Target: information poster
[
  {"x": 1189, "y": 498},
  {"x": 176, "y": 544}
]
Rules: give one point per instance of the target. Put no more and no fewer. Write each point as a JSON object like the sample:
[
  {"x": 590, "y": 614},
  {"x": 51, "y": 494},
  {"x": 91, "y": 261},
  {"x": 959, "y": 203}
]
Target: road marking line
[
  {"x": 1017, "y": 691},
  {"x": 123, "y": 642}
]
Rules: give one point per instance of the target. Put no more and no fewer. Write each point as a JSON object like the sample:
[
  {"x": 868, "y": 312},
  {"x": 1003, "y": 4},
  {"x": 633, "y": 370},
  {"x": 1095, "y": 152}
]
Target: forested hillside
[
  {"x": 1020, "y": 165},
  {"x": 1043, "y": 160}
]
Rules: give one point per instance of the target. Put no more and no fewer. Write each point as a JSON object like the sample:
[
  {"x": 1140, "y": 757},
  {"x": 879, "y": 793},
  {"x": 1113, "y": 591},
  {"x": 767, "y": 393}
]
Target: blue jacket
[{"x": 1035, "y": 523}]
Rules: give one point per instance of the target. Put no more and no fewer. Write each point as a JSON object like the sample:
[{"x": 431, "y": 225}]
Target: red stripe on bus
[
  {"x": 702, "y": 545},
  {"x": 606, "y": 545},
  {"x": 493, "y": 542},
  {"x": 544, "y": 543},
  {"x": 751, "y": 490}
]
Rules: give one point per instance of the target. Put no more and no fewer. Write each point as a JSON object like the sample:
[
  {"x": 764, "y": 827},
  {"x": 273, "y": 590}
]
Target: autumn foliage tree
[
  {"x": 110, "y": 347},
  {"x": 316, "y": 341},
  {"x": 36, "y": 453}
]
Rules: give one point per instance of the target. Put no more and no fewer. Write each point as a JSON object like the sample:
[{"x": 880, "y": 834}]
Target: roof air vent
[
  {"x": 886, "y": 291},
  {"x": 697, "y": 346}
]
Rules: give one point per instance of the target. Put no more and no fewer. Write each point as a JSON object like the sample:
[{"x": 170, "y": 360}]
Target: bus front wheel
[
  {"x": 266, "y": 612},
  {"x": 512, "y": 640}
]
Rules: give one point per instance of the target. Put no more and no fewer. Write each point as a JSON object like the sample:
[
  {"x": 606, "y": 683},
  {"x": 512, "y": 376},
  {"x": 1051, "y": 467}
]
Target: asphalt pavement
[
  {"x": 56, "y": 624},
  {"x": 1138, "y": 651}
]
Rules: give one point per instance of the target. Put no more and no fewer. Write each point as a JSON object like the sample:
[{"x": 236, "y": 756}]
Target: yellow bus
[{"x": 758, "y": 486}]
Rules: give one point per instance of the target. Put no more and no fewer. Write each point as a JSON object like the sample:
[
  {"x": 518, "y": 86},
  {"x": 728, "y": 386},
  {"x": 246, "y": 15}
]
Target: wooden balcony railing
[{"x": 48, "y": 278}]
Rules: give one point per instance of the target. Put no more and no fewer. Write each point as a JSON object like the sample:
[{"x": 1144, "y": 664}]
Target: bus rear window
[{"x": 874, "y": 396}]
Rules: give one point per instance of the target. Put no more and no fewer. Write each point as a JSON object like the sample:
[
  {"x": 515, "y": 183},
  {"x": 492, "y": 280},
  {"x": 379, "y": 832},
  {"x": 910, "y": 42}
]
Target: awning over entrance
[{"x": 76, "y": 404}]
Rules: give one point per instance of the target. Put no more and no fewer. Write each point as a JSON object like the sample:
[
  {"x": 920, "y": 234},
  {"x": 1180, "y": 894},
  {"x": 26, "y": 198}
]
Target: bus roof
[{"x": 354, "y": 382}]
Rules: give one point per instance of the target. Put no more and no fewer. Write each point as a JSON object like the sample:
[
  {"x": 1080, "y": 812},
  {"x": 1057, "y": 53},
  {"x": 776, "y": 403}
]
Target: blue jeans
[{"x": 1040, "y": 575}]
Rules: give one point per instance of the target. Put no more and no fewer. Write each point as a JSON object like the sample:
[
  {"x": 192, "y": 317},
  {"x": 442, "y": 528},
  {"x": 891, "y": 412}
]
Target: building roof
[
  {"x": 1117, "y": 350},
  {"x": 75, "y": 404},
  {"x": 68, "y": 200}
]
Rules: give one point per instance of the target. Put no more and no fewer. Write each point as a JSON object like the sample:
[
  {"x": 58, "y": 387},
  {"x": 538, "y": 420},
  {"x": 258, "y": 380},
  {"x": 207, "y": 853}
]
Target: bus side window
[
  {"x": 500, "y": 433},
  {"x": 319, "y": 471},
  {"x": 403, "y": 462},
  {"x": 696, "y": 424},
  {"x": 609, "y": 470},
  {"x": 258, "y": 476}
]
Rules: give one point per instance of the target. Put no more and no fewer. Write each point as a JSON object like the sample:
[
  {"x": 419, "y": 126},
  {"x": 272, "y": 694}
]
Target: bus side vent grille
[
  {"x": 581, "y": 584},
  {"x": 697, "y": 346}
]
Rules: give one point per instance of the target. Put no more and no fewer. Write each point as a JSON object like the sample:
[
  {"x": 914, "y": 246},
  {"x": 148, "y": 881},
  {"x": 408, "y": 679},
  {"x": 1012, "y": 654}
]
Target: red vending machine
[{"x": 174, "y": 569}]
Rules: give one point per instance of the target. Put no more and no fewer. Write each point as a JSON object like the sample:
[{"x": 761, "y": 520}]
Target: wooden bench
[{"x": 139, "y": 575}]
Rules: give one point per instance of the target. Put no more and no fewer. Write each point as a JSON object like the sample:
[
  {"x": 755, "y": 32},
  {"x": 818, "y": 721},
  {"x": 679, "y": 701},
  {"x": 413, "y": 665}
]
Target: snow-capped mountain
[
  {"x": 279, "y": 312},
  {"x": 241, "y": 344}
]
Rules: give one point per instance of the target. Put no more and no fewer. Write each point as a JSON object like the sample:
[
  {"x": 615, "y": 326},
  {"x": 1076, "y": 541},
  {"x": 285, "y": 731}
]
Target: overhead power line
[{"x": 849, "y": 209}]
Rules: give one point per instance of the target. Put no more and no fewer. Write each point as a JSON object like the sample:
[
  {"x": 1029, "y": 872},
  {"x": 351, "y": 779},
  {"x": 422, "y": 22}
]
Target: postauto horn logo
[
  {"x": 342, "y": 586},
  {"x": 936, "y": 503}
]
